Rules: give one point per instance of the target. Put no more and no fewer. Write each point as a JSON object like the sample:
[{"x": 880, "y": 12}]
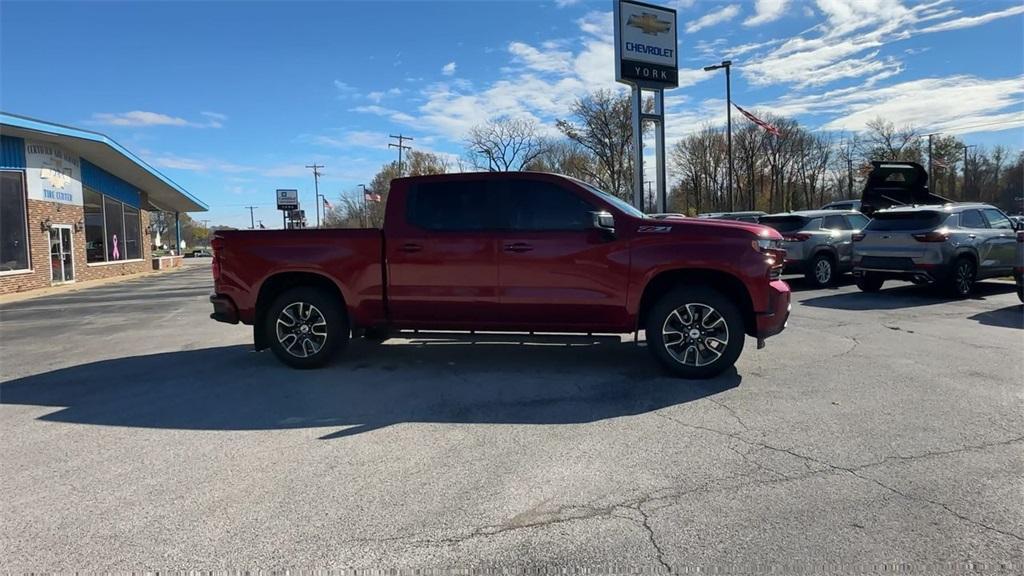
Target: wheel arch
[
  {"x": 276, "y": 284},
  {"x": 724, "y": 282}
]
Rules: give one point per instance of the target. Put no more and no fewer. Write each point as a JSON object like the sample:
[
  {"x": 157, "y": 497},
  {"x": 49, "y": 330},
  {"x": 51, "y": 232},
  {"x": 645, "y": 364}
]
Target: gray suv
[
  {"x": 951, "y": 245},
  {"x": 818, "y": 243}
]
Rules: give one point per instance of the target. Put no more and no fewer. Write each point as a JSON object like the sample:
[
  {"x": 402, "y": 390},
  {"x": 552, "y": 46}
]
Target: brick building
[{"x": 75, "y": 205}]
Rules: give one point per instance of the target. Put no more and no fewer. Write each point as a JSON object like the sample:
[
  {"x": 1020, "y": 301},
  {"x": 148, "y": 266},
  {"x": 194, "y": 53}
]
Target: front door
[
  {"x": 62, "y": 260},
  {"x": 556, "y": 271}
]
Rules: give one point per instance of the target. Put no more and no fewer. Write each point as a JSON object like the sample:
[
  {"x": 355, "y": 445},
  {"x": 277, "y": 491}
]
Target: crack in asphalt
[
  {"x": 854, "y": 471},
  {"x": 650, "y": 536}
]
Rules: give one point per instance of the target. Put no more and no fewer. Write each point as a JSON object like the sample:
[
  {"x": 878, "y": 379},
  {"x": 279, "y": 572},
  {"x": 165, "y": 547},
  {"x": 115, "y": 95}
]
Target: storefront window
[
  {"x": 94, "y": 245},
  {"x": 113, "y": 216},
  {"x": 132, "y": 247},
  {"x": 13, "y": 223}
]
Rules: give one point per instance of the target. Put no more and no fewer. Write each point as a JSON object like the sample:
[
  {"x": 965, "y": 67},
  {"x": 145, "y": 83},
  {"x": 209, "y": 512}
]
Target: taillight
[
  {"x": 858, "y": 236},
  {"x": 940, "y": 235},
  {"x": 797, "y": 237}
]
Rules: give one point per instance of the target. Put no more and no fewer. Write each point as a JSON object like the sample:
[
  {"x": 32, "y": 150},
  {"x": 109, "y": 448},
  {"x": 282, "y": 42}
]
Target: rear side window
[
  {"x": 922, "y": 220},
  {"x": 535, "y": 205},
  {"x": 784, "y": 223},
  {"x": 997, "y": 219},
  {"x": 857, "y": 221},
  {"x": 836, "y": 222},
  {"x": 972, "y": 219},
  {"x": 452, "y": 206}
]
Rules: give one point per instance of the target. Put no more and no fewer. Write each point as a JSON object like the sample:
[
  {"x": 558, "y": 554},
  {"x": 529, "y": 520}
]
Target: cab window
[
  {"x": 972, "y": 219},
  {"x": 452, "y": 206},
  {"x": 836, "y": 222},
  {"x": 997, "y": 219},
  {"x": 536, "y": 205}
]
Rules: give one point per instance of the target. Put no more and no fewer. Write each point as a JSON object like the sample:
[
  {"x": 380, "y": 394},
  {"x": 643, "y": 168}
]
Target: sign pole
[
  {"x": 659, "y": 147},
  {"x": 638, "y": 149}
]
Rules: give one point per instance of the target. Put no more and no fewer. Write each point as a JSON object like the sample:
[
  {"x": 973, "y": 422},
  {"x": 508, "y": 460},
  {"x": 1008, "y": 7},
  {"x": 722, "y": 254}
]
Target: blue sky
[{"x": 233, "y": 99}]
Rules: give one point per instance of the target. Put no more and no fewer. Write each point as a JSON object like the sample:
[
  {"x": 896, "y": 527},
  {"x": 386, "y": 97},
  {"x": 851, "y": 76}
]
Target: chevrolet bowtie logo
[{"x": 648, "y": 23}]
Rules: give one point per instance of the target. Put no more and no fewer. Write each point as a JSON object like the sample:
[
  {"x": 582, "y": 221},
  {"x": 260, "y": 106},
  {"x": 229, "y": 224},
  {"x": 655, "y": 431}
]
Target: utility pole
[
  {"x": 252, "y": 223},
  {"x": 965, "y": 147},
  {"x": 401, "y": 146},
  {"x": 727, "y": 64},
  {"x": 316, "y": 186}
]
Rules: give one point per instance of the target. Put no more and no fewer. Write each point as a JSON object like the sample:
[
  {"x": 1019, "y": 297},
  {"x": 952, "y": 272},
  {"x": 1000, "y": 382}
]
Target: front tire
[
  {"x": 305, "y": 327},
  {"x": 821, "y": 272},
  {"x": 695, "y": 332},
  {"x": 961, "y": 279},
  {"x": 868, "y": 282}
]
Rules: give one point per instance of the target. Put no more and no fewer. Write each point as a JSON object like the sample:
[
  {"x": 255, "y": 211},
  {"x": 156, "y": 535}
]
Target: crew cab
[{"x": 507, "y": 251}]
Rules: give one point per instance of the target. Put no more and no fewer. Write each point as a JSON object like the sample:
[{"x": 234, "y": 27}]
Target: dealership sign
[
  {"x": 287, "y": 199},
  {"x": 52, "y": 173},
  {"x": 645, "y": 45}
]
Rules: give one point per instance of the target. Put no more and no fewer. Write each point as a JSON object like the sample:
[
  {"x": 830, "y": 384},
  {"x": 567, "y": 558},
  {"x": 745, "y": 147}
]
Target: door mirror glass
[{"x": 604, "y": 221}]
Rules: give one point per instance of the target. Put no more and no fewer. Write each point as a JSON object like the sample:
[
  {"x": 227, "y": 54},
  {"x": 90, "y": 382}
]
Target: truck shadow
[
  {"x": 453, "y": 379},
  {"x": 902, "y": 295},
  {"x": 1008, "y": 317}
]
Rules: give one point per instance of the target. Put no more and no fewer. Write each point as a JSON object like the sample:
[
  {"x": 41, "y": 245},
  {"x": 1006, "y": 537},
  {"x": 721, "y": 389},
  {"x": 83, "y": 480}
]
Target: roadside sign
[
  {"x": 287, "y": 199},
  {"x": 646, "y": 43},
  {"x": 297, "y": 215}
]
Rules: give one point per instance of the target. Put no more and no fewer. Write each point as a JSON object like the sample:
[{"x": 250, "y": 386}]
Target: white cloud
[
  {"x": 349, "y": 139},
  {"x": 564, "y": 3},
  {"x": 970, "y": 21},
  {"x": 766, "y": 11},
  {"x": 138, "y": 118},
  {"x": 448, "y": 69},
  {"x": 712, "y": 18},
  {"x": 198, "y": 164}
]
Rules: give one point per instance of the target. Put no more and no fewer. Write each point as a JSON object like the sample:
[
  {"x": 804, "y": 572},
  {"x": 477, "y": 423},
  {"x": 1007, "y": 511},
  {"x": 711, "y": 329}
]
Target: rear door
[
  {"x": 840, "y": 238},
  {"x": 1004, "y": 241},
  {"x": 443, "y": 262},
  {"x": 982, "y": 237},
  {"x": 556, "y": 270}
]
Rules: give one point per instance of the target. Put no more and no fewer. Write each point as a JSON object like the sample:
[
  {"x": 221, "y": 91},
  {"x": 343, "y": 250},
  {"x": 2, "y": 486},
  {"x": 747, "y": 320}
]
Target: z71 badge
[{"x": 654, "y": 229}]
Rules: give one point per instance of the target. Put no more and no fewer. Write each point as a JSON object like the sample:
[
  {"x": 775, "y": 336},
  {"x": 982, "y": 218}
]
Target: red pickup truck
[{"x": 507, "y": 251}]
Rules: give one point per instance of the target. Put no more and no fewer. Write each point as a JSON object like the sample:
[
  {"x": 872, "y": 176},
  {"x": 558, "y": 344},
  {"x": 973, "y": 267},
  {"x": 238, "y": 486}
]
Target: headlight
[{"x": 765, "y": 244}]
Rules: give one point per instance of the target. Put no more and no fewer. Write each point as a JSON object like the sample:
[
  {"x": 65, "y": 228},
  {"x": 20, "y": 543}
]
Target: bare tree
[
  {"x": 505, "y": 144},
  {"x": 885, "y": 142},
  {"x": 604, "y": 128}
]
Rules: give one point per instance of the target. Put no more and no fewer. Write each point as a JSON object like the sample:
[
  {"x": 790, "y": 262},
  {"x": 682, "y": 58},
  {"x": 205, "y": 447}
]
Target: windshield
[
  {"x": 889, "y": 221},
  {"x": 613, "y": 200},
  {"x": 784, "y": 223}
]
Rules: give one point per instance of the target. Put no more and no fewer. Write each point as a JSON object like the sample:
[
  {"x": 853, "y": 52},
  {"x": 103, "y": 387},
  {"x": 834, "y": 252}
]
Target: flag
[
  {"x": 371, "y": 197},
  {"x": 327, "y": 205},
  {"x": 939, "y": 163},
  {"x": 758, "y": 121}
]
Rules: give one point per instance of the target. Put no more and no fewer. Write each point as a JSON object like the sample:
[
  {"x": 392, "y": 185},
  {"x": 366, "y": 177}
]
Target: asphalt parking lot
[{"x": 878, "y": 431}]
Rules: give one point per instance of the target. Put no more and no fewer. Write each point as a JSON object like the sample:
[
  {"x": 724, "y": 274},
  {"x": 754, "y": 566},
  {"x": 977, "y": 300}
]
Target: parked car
[
  {"x": 843, "y": 205},
  {"x": 749, "y": 216},
  {"x": 1018, "y": 269},
  {"x": 951, "y": 245},
  {"x": 201, "y": 253},
  {"x": 818, "y": 243},
  {"x": 1018, "y": 221},
  {"x": 507, "y": 251}
]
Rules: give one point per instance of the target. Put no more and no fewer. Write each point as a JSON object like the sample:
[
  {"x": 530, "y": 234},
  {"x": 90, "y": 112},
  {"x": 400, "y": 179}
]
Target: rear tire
[
  {"x": 695, "y": 332},
  {"x": 305, "y": 327},
  {"x": 821, "y": 272},
  {"x": 868, "y": 282},
  {"x": 961, "y": 279}
]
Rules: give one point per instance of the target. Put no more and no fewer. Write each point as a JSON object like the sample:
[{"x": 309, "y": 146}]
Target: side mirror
[{"x": 604, "y": 221}]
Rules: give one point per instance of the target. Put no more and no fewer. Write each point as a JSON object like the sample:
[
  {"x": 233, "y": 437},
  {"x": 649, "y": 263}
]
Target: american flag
[
  {"x": 758, "y": 121},
  {"x": 327, "y": 204},
  {"x": 371, "y": 197}
]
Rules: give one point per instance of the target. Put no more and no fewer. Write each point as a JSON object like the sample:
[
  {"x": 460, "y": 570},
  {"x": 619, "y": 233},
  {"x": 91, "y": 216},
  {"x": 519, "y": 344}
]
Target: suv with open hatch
[
  {"x": 950, "y": 245},
  {"x": 507, "y": 251}
]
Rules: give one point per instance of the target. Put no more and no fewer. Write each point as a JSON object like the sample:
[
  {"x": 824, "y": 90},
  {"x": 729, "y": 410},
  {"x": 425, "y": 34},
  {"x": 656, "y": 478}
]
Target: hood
[{"x": 711, "y": 226}]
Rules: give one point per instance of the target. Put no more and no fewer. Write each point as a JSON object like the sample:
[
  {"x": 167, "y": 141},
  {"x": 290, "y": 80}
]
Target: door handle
[
  {"x": 410, "y": 247},
  {"x": 518, "y": 247},
  {"x": 972, "y": 236}
]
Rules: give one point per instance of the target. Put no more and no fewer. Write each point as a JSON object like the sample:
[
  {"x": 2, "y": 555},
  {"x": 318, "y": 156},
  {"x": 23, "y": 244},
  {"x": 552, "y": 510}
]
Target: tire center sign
[{"x": 646, "y": 45}]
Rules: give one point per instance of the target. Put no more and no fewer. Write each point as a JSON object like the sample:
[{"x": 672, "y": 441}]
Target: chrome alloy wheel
[
  {"x": 964, "y": 277},
  {"x": 695, "y": 334},
  {"x": 823, "y": 271},
  {"x": 301, "y": 329}
]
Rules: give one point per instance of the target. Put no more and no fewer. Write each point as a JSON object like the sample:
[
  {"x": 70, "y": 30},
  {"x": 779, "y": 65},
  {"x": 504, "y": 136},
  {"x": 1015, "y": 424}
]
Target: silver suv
[
  {"x": 818, "y": 243},
  {"x": 951, "y": 245}
]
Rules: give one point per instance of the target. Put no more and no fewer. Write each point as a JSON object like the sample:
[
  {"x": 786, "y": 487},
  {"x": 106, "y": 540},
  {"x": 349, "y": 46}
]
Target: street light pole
[
  {"x": 362, "y": 216},
  {"x": 965, "y": 147},
  {"x": 316, "y": 186},
  {"x": 727, "y": 64}
]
